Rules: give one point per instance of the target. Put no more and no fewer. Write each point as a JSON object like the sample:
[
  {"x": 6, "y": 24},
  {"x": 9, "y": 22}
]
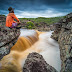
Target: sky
[{"x": 36, "y": 8}]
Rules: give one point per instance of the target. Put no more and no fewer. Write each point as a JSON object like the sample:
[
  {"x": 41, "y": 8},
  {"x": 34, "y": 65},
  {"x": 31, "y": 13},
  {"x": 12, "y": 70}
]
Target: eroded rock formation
[{"x": 63, "y": 34}]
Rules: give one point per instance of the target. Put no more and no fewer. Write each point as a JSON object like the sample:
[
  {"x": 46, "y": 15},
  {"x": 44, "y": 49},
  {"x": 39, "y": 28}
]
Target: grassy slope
[{"x": 42, "y": 19}]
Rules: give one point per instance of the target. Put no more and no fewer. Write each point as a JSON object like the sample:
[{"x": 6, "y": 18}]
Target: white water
[
  {"x": 50, "y": 48},
  {"x": 25, "y": 32},
  {"x": 51, "y": 52}
]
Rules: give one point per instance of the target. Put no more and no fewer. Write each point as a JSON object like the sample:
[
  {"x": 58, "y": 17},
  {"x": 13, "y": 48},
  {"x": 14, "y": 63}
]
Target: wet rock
[
  {"x": 36, "y": 63},
  {"x": 8, "y": 38},
  {"x": 64, "y": 38}
]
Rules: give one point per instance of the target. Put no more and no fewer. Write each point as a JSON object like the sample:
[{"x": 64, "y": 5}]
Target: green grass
[{"x": 42, "y": 19}]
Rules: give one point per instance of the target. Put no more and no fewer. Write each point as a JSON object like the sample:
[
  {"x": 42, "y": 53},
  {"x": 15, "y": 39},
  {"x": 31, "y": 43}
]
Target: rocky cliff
[
  {"x": 8, "y": 38},
  {"x": 63, "y": 34}
]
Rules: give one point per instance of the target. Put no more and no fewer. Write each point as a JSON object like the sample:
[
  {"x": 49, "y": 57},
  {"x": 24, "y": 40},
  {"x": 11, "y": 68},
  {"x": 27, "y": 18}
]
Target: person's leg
[
  {"x": 13, "y": 25},
  {"x": 18, "y": 25},
  {"x": 18, "y": 22}
]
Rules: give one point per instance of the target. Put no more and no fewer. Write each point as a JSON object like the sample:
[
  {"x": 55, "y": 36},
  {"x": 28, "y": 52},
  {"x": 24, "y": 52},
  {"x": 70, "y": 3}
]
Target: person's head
[{"x": 11, "y": 10}]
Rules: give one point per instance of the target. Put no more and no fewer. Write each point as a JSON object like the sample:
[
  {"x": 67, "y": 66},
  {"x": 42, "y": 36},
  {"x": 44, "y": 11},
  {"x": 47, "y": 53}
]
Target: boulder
[{"x": 36, "y": 63}]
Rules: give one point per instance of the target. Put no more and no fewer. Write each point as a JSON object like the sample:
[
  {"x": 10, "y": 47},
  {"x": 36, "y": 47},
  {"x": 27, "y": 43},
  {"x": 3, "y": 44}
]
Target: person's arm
[
  {"x": 16, "y": 17},
  {"x": 14, "y": 21}
]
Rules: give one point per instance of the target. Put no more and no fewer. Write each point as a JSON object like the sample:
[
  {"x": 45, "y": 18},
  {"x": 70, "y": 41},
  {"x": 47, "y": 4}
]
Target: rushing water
[{"x": 35, "y": 41}]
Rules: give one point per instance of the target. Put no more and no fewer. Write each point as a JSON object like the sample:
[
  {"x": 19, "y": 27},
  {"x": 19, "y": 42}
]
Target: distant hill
[{"x": 38, "y": 20}]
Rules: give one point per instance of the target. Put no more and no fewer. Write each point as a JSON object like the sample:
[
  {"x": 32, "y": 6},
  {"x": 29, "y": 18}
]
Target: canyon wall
[{"x": 63, "y": 34}]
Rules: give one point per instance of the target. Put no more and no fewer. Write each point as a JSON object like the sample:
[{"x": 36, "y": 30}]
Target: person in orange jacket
[{"x": 10, "y": 19}]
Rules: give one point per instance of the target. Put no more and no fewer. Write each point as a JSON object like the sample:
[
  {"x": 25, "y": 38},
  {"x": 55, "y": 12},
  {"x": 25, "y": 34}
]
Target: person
[{"x": 10, "y": 19}]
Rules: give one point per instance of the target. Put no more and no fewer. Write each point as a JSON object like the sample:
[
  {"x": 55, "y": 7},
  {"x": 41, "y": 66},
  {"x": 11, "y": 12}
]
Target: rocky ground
[{"x": 63, "y": 34}]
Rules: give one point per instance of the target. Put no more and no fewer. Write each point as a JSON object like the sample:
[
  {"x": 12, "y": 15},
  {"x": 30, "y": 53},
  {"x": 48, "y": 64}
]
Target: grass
[{"x": 48, "y": 21}]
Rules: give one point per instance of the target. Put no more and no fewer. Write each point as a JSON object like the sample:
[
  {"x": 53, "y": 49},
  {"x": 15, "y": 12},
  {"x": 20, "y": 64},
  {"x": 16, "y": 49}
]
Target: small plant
[
  {"x": 30, "y": 25},
  {"x": 64, "y": 17}
]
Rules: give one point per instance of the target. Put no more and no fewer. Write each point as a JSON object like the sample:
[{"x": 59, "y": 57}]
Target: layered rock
[
  {"x": 63, "y": 34},
  {"x": 36, "y": 63},
  {"x": 8, "y": 38}
]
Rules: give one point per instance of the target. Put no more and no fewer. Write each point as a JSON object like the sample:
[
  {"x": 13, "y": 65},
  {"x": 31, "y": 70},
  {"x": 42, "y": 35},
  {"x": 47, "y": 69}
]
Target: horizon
[
  {"x": 37, "y": 17},
  {"x": 37, "y": 8}
]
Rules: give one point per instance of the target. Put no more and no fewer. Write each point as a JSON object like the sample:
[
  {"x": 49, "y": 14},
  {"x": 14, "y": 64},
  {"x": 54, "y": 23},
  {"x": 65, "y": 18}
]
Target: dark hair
[{"x": 11, "y": 10}]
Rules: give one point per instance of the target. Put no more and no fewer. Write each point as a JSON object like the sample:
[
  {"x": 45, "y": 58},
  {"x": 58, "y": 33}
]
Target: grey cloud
[{"x": 36, "y": 5}]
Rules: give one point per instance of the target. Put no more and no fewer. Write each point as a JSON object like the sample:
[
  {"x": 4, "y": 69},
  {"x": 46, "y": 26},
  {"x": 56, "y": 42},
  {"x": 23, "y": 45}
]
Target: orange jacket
[{"x": 10, "y": 19}]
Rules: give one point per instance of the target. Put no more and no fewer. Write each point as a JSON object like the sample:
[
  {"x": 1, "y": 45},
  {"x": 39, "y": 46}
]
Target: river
[{"x": 34, "y": 41}]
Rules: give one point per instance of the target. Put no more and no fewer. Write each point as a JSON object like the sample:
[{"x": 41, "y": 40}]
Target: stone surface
[
  {"x": 8, "y": 38},
  {"x": 63, "y": 34},
  {"x": 36, "y": 63}
]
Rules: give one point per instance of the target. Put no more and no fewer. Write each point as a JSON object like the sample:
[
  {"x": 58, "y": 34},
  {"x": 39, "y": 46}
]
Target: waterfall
[{"x": 34, "y": 41}]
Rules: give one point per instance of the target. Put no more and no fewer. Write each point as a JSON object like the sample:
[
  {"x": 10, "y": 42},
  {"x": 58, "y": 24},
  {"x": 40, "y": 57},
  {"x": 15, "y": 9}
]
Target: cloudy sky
[{"x": 37, "y": 8}]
